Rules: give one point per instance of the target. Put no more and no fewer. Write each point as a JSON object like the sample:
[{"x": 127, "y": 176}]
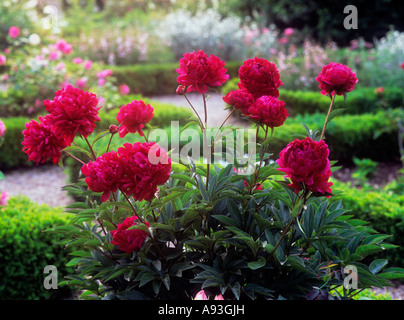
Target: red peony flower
[
  {"x": 402, "y": 65},
  {"x": 104, "y": 174},
  {"x": 133, "y": 116},
  {"x": 240, "y": 99},
  {"x": 268, "y": 110},
  {"x": 259, "y": 77},
  {"x": 74, "y": 111},
  {"x": 40, "y": 142},
  {"x": 146, "y": 166},
  {"x": 336, "y": 78},
  {"x": 306, "y": 161},
  {"x": 199, "y": 72},
  {"x": 128, "y": 240}
]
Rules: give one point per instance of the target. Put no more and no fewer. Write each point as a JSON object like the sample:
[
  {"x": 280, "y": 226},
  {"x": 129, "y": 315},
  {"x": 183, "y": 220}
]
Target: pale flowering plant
[
  {"x": 46, "y": 69},
  {"x": 148, "y": 227}
]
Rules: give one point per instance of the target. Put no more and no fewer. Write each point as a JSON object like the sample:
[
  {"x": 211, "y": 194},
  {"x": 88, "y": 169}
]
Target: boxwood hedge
[{"x": 26, "y": 248}]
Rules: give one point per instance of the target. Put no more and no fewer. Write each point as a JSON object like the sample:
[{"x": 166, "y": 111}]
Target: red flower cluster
[
  {"x": 71, "y": 111},
  {"x": 74, "y": 111},
  {"x": 240, "y": 99},
  {"x": 104, "y": 174},
  {"x": 133, "y": 116},
  {"x": 306, "y": 162},
  {"x": 199, "y": 72},
  {"x": 269, "y": 111},
  {"x": 336, "y": 78},
  {"x": 128, "y": 240},
  {"x": 259, "y": 77},
  {"x": 136, "y": 169},
  {"x": 146, "y": 166},
  {"x": 40, "y": 141},
  {"x": 258, "y": 92}
]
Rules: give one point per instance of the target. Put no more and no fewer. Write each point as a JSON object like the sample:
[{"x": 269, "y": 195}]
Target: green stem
[
  {"x": 72, "y": 156},
  {"x": 284, "y": 233},
  {"x": 130, "y": 203},
  {"x": 262, "y": 155},
  {"x": 328, "y": 114},
  {"x": 197, "y": 114},
  {"x": 109, "y": 142},
  {"x": 206, "y": 142},
  {"x": 91, "y": 149}
]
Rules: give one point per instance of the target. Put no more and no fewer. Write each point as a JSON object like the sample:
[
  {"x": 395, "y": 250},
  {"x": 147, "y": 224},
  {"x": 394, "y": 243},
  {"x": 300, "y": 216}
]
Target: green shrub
[
  {"x": 11, "y": 149},
  {"x": 347, "y": 136},
  {"x": 156, "y": 79},
  {"x": 361, "y": 100},
  {"x": 383, "y": 211},
  {"x": 26, "y": 249}
]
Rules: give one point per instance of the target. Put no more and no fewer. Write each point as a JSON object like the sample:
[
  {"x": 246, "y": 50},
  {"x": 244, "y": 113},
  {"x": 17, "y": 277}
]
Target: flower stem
[
  {"x": 214, "y": 139},
  {"x": 262, "y": 155},
  {"x": 109, "y": 142},
  {"x": 284, "y": 233},
  {"x": 133, "y": 208},
  {"x": 72, "y": 156},
  {"x": 328, "y": 114},
  {"x": 197, "y": 114},
  {"x": 91, "y": 149},
  {"x": 206, "y": 142}
]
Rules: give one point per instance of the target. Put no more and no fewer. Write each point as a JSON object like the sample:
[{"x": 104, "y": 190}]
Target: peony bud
[
  {"x": 113, "y": 129},
  {"x": 181, "y": 89}
]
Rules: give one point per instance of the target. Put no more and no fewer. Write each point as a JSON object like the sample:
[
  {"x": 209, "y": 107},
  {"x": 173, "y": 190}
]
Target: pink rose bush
[
  {"x": 3, "y": 59},
  {"x": 4, "y": 198},
  {"x": 2, "y": 128},
  {"x": 124, "y": 89},
  {"x": 14, "y": 32}
]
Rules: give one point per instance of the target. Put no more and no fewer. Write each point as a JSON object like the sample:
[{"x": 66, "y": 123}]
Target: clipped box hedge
[
  {"x": 347, "y": 136},
  {"x": 361, "y": 100},
  {"x": 157, "y": 79},
  {"x": 384, "y": 211},
  {"x": 26, "y": 248},
  {"x": 11, "y": 154}
]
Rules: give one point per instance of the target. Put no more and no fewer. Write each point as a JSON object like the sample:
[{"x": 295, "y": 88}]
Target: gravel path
[{"x": 42, "y": 184}]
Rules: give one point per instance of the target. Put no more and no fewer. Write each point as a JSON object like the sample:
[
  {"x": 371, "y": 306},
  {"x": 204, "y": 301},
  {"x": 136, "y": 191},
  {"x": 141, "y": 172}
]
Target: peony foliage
[{"x": 149, "y": 228}]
